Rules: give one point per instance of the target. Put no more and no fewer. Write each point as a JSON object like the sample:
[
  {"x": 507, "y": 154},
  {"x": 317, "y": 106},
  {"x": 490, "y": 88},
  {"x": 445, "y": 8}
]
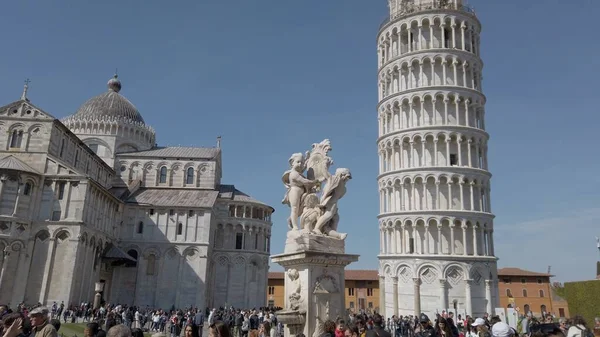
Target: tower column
[
  {"x": 382, "y": 295},
  {"x": 395, "y": 301},
  {"x": 417, "y": 296}
]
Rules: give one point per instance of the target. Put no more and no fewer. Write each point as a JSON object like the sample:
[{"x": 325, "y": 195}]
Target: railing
[{"x": 409, "y": 8}]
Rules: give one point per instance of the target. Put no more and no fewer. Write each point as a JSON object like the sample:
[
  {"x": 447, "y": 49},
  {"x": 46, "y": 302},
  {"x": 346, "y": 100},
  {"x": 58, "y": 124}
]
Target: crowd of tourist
[{"x": 130, "y": 321}]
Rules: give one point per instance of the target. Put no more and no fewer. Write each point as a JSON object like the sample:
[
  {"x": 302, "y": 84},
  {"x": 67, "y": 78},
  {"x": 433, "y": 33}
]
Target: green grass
[
  {"x": 76, "y": 329},
  {"x": 71, "y": 329}
]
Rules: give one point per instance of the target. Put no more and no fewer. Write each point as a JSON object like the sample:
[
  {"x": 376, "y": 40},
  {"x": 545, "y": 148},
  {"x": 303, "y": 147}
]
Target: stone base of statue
[{"x": 314, "y": 282}]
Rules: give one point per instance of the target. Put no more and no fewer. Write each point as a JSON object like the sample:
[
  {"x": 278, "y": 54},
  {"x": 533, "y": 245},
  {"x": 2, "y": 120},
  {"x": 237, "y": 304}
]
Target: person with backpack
[{"x": 579, "y": 328}]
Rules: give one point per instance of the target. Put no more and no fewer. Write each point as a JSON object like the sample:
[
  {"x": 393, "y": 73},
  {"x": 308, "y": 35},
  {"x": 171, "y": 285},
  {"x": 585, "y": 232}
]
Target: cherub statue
[
  {"x": 297, "y": 186},
  {"x": 294, "y": 297},
  {"x": 311, "y": 212},
  {"x": 333, "y": 192},
  {"x": 318, "y": 162}
]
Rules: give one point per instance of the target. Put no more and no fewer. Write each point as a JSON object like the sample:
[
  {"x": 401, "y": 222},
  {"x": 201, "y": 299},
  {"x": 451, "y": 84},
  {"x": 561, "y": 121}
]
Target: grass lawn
[{"x": 76, "y": 329}]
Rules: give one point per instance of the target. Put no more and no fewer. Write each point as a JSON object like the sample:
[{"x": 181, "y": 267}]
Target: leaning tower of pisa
[{"x": 435, "y": 221}]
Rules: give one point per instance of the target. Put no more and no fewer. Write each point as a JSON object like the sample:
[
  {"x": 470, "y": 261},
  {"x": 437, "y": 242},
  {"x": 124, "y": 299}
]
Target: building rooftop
[
  {"x": 176, "y": 152},
  {"x": 13, "y": 163},
  {"x": 174, "y": 197},
  {"x": 510, "y": 271},
  {"x": 109, "y": 106},
  {"x": 231, "y": 193},
  {"x": 351, "y": 275}
]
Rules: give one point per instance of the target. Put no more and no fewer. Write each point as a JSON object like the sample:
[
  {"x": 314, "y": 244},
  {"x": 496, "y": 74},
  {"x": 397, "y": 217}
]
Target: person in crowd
[
  {"x": 40, "y": 324},
  {"x": 91, "y": 330},
  {"x": 579, "y": 328},
  {"x": 246, "y": 324},
  {"x": 264, "y": 330},
  {"x": 351, "y": 331},
  {"x": 12, "y": 325},
  {"x": 110, "y": 321},
  {"x": 191, "y": 330},
  {"x": 450, "y": 322},
  {"x": 199, "y": 323},
  {"x": 137, "y": 332},
  {"x": 362, "y": 327},
  {"x": 470, "y": 330},
  {"x": 340, "y": 327},
  {"x": 218, "y": 329},
  {"x": 424, "y": 328},
  {"x": 55, "y": 323},
  {"x": 328, "y": 329},
  {"x": 501, "y": 329},
  {"x": 378, "y": 330},
  {"x": 442, "y": 328},
  {"x": 119, "y": 330},
  {"x": 481, "y": 327}
]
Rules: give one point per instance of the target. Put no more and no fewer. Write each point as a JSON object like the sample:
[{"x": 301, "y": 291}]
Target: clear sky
[{"x": 274, "y": 76}]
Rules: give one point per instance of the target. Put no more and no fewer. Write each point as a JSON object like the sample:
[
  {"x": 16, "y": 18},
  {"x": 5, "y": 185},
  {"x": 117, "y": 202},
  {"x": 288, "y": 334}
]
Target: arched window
[
  {"x": 16, "y": 139},
  {"x": 524, "y": 292},
  {"x": 140, "y": 227},
  {"x": 150, "y": 267},
  {"x": 508, "y": 293},
  {"x": 179, "y": 228},
  {"x": 163, "y": 175},
  {"x": 541, "y": 293},
  {"x": 27, "y": 189},
  {"x": 134, "y": 254},
  {"x": 189, "y": 178}
]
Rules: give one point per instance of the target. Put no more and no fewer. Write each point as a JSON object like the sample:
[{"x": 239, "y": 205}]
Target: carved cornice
[{"x": 314, "y": 258}]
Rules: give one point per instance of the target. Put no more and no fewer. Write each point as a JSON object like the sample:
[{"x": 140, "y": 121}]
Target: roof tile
[
  {"x": 13, "y": 163},
  {"x": 510, "y": 271},
  {"x": 176, "y": 152},
  {"x": 174, "y": 197}
]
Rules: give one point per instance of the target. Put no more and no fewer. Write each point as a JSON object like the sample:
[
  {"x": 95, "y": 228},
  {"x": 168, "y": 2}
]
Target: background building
[
  {"x": 362, "y": 290},
  {"x": 92, "y": 199},
  {"x": 530, "y": 291},
  {"x": 437, "y": 245}
]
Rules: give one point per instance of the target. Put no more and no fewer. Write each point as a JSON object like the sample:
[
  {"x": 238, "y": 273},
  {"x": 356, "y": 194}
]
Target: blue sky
[{"x": 274, "y": 76}]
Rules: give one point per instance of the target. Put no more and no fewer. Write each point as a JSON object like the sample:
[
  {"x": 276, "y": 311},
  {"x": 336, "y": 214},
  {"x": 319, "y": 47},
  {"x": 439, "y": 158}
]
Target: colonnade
[
  {"x": 436, "y": 237},
  {"x": 431, "y": 109},
  {"x": 249, "y": 212},
  {"x": 441, "y": 150},
  {"x": 443, "y": 291},
  {"x": 435, "y": 193},
  {"x": 255, "y": 237},
  {"x": 428, "y": 32},
  {"x": 429, "y": 71}
]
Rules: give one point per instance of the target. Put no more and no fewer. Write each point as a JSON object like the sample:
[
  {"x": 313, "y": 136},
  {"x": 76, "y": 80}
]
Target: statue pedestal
[{"x": 314, "y": 282}]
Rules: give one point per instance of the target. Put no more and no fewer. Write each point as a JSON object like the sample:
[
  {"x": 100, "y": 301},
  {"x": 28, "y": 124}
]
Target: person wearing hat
[
  {"x": 502, "y": 329},
  {"x": 482, "y": 328},
  {"x": 40, "y": 324},
  {"x": 424, "y": 329}
]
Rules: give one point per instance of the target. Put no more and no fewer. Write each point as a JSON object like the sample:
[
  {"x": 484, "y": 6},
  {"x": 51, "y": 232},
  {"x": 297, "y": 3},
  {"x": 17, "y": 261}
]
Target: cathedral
[{"x": 91, "y": 204}]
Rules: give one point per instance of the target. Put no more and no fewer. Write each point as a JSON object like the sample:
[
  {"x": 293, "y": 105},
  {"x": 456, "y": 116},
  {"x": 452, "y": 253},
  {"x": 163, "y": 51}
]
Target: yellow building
[
  {"x": 362, "y": 290},
  {"x": 529, "y": 291}
]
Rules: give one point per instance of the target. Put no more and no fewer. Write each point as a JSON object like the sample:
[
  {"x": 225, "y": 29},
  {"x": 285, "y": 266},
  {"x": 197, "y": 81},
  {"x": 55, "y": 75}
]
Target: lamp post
[
  {"x": 5, "y": 255},
  {"x": 98, "y": 288}
]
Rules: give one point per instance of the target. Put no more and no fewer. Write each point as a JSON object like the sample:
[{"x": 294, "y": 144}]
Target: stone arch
[
  {"x": 404, "y": 272},
  {"x": 428, "y": 272},
  {"x": 62, "y": 234}
]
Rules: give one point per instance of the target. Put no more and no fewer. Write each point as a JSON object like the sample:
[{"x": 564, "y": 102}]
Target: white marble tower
[{"x": 435, "y": 221}]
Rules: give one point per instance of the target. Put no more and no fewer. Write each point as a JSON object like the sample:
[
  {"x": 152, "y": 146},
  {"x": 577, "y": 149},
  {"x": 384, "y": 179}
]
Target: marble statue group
[{"x": 314, "y": 207}]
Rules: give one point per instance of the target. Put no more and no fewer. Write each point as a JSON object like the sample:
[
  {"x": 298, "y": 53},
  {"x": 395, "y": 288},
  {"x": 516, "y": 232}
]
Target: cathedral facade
[{"x": 91, "y": 203}]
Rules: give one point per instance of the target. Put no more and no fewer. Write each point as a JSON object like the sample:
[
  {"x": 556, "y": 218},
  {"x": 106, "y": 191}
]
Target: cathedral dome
[{"x": 109, "y": 106}]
